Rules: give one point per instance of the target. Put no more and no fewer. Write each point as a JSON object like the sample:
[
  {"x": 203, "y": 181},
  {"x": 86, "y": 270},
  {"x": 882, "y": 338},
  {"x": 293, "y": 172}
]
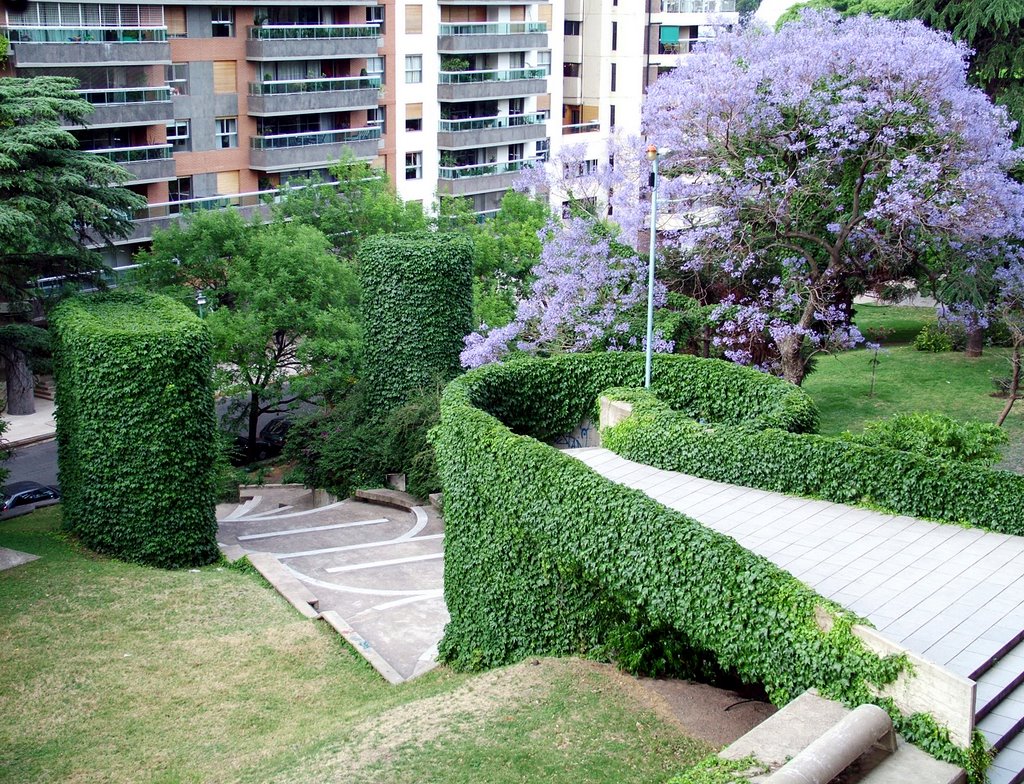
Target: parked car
[
  {"x": 269, "y": 442},
  {"x": 22, "y": 497}
]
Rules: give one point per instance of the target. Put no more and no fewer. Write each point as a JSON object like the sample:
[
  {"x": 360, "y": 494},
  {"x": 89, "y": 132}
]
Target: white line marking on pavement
[
  {"x": 313, "y": 529},
  {"x": 399, "y": 602},
  {"x": 393, "y": 562},
  {"x": 351, "y": 588},
  {"x": 362, "y": 546},
  {"x": 290, "y": 514},
  {"x": 273, "y": 511}
]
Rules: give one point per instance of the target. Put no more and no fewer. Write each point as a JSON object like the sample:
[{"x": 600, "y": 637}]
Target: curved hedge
[
  {"x": 545, "y": 556},
  {"x": 136, "y": 428},
  {"x": 821, "y": 466},
  {"x": 417, "y": 306}
]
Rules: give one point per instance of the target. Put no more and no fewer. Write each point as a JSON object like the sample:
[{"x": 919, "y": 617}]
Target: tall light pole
[
  {"x": 652, "y": 156},
  {"x": 200, "y": 301}
]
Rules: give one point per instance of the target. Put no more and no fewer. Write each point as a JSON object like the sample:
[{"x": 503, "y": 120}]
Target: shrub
[
  {"x": 136, "y": 428},
  {"x": 935, "y": 435},
  {"x": 418, "y": 306},
  {"x": 934, "y": 339}
]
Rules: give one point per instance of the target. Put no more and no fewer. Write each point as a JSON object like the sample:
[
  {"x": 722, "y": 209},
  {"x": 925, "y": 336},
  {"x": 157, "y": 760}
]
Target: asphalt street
[{"x": 37, "y": 462}]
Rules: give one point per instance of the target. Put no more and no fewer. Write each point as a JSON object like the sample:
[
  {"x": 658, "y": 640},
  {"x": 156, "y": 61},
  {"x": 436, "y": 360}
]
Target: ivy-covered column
[
  {"x": 136, "y": 428},
  {"x": 418, "y": 307}
]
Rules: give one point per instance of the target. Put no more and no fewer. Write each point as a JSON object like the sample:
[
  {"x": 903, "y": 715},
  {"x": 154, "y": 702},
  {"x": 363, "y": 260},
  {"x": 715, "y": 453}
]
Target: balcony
[
  {"x": 479, "y": 178},
  {"x": 129, "y": 106},
  {"x": 299, "y": 96},
  {"x": 492, "y": 37},
  {"x": 66, "y": 46},
  {"x": 301, "y": 42},
  {"x": 693, "y": 6},
  {"x": 484, "y": 85},
  {"x": 483, "y": 131},
  {"x": 586, "y": 127},
  {"x": 284, "y": 151},
  {"x": 151, "y": 163}
]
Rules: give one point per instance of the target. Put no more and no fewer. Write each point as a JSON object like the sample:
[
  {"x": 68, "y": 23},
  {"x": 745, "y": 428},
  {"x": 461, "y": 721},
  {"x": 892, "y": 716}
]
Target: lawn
[
  {"x": 900, "y": 323},
  {"x": 114, "y": 672}
]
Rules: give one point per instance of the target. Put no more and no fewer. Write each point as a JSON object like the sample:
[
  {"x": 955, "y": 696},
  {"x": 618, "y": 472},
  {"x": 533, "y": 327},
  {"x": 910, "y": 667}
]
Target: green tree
[
  {"x": 890, "y": 8},
  {"x": 362, "y": 203},
  {"x": 57, "y": 204}
]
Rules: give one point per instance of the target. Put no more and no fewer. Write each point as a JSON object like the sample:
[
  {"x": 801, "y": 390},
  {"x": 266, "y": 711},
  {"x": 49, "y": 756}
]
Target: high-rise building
[{"x": 215, "y": 104}]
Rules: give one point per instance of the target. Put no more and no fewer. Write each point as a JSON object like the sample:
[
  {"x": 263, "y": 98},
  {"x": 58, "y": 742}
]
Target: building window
[
  {"x": 223, "y": 22},
  {"x": 414, "y": 123},
  {"x": 227, "y": 132},
  {"x": 413, "y": 19},
  {"x": 375, "y": 67},
  {"x": 573, "y": 28},
  {"x": 611, "y": 116},
  {"x": 179, "y": 190},
  {"x": 375, "y": 15},
  {"x": 615, "y": 36},
  {"x": 544, "y": 61},
  {"x": 543, "y": 149},
  {"x": 414, "y": 166},
  {"x": 570, "y": 69},
  {"x": 176, "y": 76},
  {"x": 413, "y": 68},
  {"x": 178, "y": 135},
  {"x": 515, "y": 152},
  {"x": 376, "y": 118},
  {"x": 614, "y": 75}
]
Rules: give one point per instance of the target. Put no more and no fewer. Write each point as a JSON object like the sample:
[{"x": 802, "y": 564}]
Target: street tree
[
  {"x": 57, "y": 204},
  {"x": 807, "y": 163}
]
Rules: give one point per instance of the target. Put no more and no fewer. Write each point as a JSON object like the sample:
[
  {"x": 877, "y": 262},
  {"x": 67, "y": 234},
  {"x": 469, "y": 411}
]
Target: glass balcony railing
[
  {"x": 289, "y": 32},
  {"x": 84, "y": 35},
  {"x": 483, "y": 169},
  {"x": 586, "y": 127},
  {"x": 484, "y": 123},
  {"x": 698, "y": 6},
  {"x": 289, "y": 86},
  {"x": 493, "y": 28},
  {"x": 504, "y": 75},
  {"x": 116, "y": 96},
  {"x": 250, "y": 199},
  {"x": 284, "y": 140},
  {"x": 152, "y": 152}
]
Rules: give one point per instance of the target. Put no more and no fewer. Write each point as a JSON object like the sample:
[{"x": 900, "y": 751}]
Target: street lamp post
[
  {"x": 652, "y": 156},
  {"x": 200, "y": 301}
]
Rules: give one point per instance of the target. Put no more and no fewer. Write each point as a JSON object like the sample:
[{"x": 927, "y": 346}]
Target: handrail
[
  {"x": 107, "y": 96},
  {"x": 697, "y": 6},
  {"x": 493, "y": 28},
  {"x": 35, "y": 34},
  {"x": 483, "y": 169},
  {"x": 284, "y": 140},
  {"x": 491, "y": 75},
  {"x": 267, "y": 32},
  {"x": 148, "y": 152},
  {"x": 484, "y": 123},
  {"x": 586, "y": 127},
  {"x": 164, "y": 209},
  {"x": 314, "y": 85}
]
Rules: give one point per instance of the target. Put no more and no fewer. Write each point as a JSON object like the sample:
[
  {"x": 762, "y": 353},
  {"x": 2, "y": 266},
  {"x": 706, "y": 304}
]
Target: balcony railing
[
  {"x": 585, "y": 127},
  {"x": 151, "y": 152},
  {"x": 697, "y": 6},
  {"x": 295, "y": 32},
  {"x": 282, "y": 141},
  {"x": 116, "y": 96},
  {"x": 483, "y": 169},
  {"x": 683, "y": 46},
  {"x": 250, "y": 199},
  {"x": 503, "y": 75},
  {"x": 493, "y": 28},
  {"x": 85, "y": 35},
  {"x": 482, "y": 123},
  {"x": 290, "y": 86}
]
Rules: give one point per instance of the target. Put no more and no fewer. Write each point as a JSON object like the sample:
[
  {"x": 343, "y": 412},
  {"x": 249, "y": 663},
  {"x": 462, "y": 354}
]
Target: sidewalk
[{"x": 32, "y": 428}]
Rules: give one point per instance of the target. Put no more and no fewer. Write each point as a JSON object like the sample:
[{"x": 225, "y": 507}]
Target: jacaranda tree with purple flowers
[{"x": 808, "y": 163}]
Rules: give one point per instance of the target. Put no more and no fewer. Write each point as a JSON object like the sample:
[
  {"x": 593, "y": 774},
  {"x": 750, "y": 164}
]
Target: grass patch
[
  {"x": 117, "y": 672},
  {"x": 909, "y": 380},
  {"x": 901, "y": 322}
]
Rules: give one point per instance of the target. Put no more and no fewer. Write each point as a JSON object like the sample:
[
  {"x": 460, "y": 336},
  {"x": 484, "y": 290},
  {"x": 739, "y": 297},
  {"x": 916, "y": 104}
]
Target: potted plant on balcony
[{"x": 454, "y": 64}]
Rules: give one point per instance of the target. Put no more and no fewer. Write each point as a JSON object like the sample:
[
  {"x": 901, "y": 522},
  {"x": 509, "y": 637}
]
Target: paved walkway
[
  {"x": 30, "y": 428},
  {"x": 375, "y": 573},
  {"x": 952, "y": 594}
]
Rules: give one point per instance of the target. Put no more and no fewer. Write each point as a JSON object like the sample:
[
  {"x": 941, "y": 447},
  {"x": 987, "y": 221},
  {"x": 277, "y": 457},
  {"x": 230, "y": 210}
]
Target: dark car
[
  {"x": 269, "y": 442},
  {"x": 23, "y": 497}
]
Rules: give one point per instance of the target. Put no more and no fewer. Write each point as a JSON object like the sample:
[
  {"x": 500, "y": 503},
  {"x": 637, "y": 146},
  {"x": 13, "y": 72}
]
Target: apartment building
[{"x": 214, "y": 104}]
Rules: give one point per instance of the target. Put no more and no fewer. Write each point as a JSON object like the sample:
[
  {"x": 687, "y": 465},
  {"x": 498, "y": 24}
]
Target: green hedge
[
  {"x": 417, "y": 307},
  {"x": 136, "y": 428},
  {"x": 821, "y": 466}
]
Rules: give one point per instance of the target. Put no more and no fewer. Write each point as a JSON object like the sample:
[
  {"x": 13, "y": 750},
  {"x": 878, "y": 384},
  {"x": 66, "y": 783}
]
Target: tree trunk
[
  {"x": 254, "y": 424},
  {"x": 793, "y": 366},
  {"x": 1014, "y": 385},
  {"x": 975, "y": 342},
  {"x": 21, "y": 399}
]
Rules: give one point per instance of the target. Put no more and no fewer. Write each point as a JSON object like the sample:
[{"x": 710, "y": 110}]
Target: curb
[
  {"x": 297, "y": 594},
  {"x": 363, "y": 646},
  {"x": 394, "y": 499},
  {"x": 30, "y": 440}
]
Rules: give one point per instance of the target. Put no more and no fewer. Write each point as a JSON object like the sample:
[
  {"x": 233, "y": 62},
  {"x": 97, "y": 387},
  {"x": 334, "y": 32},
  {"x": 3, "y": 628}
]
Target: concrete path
[
  {"x": 31, "y": 428},
  {"x": 954, "y": 595},
  {"x": 375, "y": 573},
  {"x": 11, "y": 558}
]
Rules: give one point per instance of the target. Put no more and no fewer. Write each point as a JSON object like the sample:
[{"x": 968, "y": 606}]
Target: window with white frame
[
  {"x": 413, "y": 68},
  {"x": 178, "y": 135},
  {"x": 414, "y": 166},
  {"x": 544, "y": 61},
  {"x": 227, "y": 132},
  {"x": 543, "y": 149},
  {"x": 223, "y": 22},
  {"x": 375, "y": 67},
  {"x": 177, "y": 78}
]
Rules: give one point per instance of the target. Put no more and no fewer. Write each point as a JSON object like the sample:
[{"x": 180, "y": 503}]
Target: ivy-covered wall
[
  {"x": 544, "y": 556},
  {"x": 820, "y": 466},
  {"x": 136, "y": 428},
  {"x": 417, "y": 308}
]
